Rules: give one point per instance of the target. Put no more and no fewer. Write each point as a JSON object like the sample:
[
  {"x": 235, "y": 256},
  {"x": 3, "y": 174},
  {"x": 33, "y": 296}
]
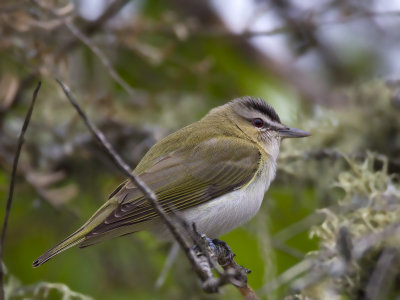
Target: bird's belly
[{"x": 229, "y": 211}]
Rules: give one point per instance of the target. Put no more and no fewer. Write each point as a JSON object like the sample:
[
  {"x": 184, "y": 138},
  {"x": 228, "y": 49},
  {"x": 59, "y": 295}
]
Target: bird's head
[{"x": 257, "y": 120}]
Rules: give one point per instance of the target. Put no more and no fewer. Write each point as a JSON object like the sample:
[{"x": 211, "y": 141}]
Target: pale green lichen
[
  {"x": 15, "y": 290},
  {"x": 44, "y": 290},
  {"x": 371, "y": 203}
]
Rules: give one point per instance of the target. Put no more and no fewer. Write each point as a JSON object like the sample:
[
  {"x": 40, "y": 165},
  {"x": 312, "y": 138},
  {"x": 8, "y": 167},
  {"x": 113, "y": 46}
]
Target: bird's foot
[
  {"x": 218, "y": 250},
  {"x": 223, "y": 252},
  {"x": 226, "y": 256}
]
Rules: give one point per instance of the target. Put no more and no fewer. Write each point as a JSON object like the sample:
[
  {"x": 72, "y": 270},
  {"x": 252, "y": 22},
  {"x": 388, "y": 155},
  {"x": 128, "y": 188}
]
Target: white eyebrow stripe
[{"x": 273, "y": 123}]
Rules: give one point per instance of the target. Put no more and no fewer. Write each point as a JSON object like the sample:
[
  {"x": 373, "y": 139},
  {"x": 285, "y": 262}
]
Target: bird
[{"x": 213, "y": 173}]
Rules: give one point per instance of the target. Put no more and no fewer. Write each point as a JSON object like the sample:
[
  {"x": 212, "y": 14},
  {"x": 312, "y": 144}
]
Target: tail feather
[
  {"x": 69, "y": 242},
  {"x": 103, "y": 237},
  {"x": 113, "y": 233},
  {"x": 78, "y": 236}
]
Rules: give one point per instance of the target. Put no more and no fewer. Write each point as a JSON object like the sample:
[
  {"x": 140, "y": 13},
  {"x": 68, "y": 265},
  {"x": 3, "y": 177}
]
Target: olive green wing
[{"x": 183, "y": 179}]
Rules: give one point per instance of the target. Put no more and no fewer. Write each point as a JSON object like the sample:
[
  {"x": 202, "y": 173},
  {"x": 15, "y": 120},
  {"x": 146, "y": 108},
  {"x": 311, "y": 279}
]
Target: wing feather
[{"x": 182, "y": 180}]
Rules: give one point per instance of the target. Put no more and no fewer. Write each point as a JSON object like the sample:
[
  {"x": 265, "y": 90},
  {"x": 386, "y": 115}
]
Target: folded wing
[{"x": 181, "y": 180}]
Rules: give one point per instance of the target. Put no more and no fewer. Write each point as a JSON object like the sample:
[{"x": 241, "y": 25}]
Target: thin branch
[
  {"x": 223, "y": 32},
  {"x": 142, "y": 186},
  {"x": 288, "y": 275},
  {"x": 287, "y": 249},
  {"x": 136, "y": 98},
  {"x": 12, "y": 183},
  {"x": 24, "y": 170},
  {"x": 167, "y": 266},
  {"x": 201, "y": 32},
  {"x": 90, "y": 28},
  {"x": 201, "y": 260},
  {"x": 298, "y": 227},
  {"x": 24, "y": 83}
]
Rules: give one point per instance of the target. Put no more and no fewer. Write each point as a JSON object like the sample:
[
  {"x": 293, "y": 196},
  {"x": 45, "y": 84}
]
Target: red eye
[{"x": 257, "y": 122}]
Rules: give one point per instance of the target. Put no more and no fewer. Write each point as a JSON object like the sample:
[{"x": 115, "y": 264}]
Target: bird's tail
[{"x": 78, "y": 236}]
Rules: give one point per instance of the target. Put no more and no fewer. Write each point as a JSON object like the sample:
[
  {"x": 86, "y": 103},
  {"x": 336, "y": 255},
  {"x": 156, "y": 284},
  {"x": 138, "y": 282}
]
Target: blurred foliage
[{"x": 174, "y": 60}]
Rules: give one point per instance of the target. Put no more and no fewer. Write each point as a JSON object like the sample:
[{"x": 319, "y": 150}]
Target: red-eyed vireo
[{"x": 214, "y": 173}]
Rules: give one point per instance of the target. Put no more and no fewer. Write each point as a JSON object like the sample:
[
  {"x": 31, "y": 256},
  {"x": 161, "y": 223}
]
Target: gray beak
[{"x": 293, "y": 133}]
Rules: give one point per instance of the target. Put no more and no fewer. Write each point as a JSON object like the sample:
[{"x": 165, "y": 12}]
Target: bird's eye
[{"x": 257, "y": 122}]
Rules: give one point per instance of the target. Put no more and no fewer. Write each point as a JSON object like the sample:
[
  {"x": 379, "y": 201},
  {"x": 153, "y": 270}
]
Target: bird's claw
[{"x": 223, "y": 252}]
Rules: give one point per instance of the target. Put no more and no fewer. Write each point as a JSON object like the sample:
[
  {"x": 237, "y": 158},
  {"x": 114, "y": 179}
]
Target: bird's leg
[
  {"x": 225, "y": 258},
  {"x": 219, "y": 251},
  {"x": 201, "y": 242},
  {"x": 223, "y": 252}
]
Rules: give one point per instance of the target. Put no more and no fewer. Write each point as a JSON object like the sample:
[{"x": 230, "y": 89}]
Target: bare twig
[
  {"x": 298, "y": 227},
  {"x": 12, "y": 183},
  {"x": 80, "y": 35},
  {"x": 201, "y": 262},
  {"x": 167, "y": 266},
  {"x": 89, "y": 28},
  {"x": 25, "y": 170},
  {"x": 287, "y": 249},
  {"x": 210, "y": 32},
  {"x": 23, "y": 84},
  {"x": 223, "y": 32},
  {"x": 142, "y": 186},
  {"x": 287, "y": 276},
  {"x": 136, "y": 98}
]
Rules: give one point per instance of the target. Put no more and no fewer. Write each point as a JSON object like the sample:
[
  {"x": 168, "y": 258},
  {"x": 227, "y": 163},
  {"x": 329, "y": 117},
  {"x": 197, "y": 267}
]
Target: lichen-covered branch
[{"x": 359, "y": 245}]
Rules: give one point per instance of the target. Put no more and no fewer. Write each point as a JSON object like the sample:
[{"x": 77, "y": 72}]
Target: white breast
[{"x": 229, "y": 211}]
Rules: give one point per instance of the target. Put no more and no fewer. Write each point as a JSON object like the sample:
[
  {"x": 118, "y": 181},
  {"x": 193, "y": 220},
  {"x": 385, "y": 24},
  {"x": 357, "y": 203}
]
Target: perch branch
[
  {"x": 142, "y": 186},
  {"x": 200, "y": 261},
  {"x": 12, "y": 183}
]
